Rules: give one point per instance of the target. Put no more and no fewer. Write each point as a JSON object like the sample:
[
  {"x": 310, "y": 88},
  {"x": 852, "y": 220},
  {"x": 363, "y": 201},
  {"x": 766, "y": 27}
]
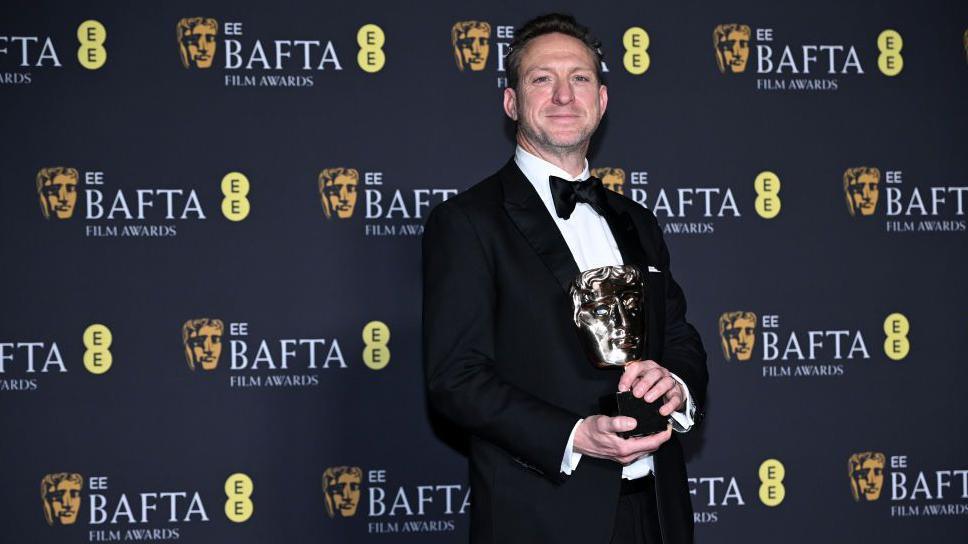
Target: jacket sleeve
[
  {"x": 683, "y": 352},
  {"x": 459, "y": 315}
]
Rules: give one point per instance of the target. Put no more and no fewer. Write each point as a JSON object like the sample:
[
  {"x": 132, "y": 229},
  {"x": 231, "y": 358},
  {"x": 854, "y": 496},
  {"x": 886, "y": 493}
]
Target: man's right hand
[{"x": 597, "y": 436}]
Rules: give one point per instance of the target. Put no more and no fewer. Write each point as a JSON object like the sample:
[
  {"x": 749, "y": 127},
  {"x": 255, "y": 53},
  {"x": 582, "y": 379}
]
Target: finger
[
  {"x": 632, "y": 371},
  {"x": 671, "y": 406},
  {"x": 660, "y": 388},
  {"x": 649, "y": 381},
  {"x": 618, "y": 424},
  {"x": 646, "y": 444}
]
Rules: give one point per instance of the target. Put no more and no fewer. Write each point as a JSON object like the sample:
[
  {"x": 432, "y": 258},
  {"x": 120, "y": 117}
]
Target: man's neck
[{"x": 571, "y": 160}]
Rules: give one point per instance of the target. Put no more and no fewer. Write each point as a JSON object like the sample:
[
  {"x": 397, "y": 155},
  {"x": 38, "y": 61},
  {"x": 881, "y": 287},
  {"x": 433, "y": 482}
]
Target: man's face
[
  {"x": 473, "y": 47},
  {"x": 200, "y": 43},
  {"x": 734, "y": 50},
  {"x": 869, "y": 479},
  {"x": 558, "y": 102},
  {"x": 64, "y": 501},
  {"x": 611, "y": 321},
  {"x": 206, "y": 346},
  {"x": 740, "y": 336},
  {"x": 339, "y": 194},
  {"x": 863, "y": 192},
  {"x": 60, "y": 195},
  {"x": 345, "y": 494}
]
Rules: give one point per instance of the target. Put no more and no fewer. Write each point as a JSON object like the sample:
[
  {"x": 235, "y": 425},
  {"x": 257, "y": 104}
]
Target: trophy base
[{"x": 647, "y": 417}]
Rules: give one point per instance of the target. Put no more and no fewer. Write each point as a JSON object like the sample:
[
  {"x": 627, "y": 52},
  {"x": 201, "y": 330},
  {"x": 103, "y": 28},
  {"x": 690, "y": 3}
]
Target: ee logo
[
  {"x": 636, "y": 58},
  {"x": 371, "y": 57},
  {"x": 767, "y": 187},
  {"x": 890, "y": 62},
  {"x": 376, "y": 354},
  {"x": 235, "y": 187},
  {"x": 97, "y": 357},
  {"x": 91, "y": 54},
  {"x": 238, "y": 489},
  {"x": 771, "y": 475},
  {"x": 897, "y": 345}
]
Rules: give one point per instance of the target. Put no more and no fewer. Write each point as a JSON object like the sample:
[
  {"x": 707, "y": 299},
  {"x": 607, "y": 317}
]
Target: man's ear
[
  {"x": 511, "y": 103},
  {"x": 602, "y": 98}
]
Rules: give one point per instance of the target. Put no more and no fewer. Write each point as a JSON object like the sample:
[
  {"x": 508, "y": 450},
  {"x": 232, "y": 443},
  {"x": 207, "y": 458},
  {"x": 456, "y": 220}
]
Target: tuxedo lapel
[{"x": 524, "y": 207}]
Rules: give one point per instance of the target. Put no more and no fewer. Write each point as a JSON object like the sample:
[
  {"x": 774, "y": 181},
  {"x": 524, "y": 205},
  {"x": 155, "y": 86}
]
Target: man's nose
[{"x": 563, "y": 93}]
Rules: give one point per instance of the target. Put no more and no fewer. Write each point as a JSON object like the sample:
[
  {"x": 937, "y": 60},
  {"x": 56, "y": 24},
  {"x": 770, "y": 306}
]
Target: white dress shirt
[{"x": 592, "y": 245}]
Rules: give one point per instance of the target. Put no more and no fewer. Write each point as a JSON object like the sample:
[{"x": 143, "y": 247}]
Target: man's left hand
[{"x": 648, "y": 380}]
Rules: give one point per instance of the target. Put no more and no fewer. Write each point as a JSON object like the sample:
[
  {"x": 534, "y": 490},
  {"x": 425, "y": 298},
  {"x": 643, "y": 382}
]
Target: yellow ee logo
[
  {"x": 636, "y": 58},
  {"x": 238, "y": 489},
  {"x": 890, "y": 62},
  {"x": 376, "y": 354},
  {"x": 371, "y": 57},
  {"x": 767, "y": 187},
  {"x": 97, "y": 357},
  {"x": 897, "y": 345},
  {"x": 771, "y": 474},
  {"x": 91, "y": 54},
  {"x": 235, "y": 187}
]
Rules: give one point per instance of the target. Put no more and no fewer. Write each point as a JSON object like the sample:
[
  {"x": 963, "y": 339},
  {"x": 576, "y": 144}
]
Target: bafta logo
[
  {"x": 471, "y": 44},
  {"x": 341, "y": 489},
  {"x": 61, "y": 497},
  {"x": 196, "y": 41},
  {"x": 203, "y": 342},
  {"x": 337, "y": 189},
  {"x": 866, "y": 475},
  {"x": 737, "y": 332},
  {"x": 57, "y": 189},
  {"x": 612, "y": 178},
  {"x": 860, "y": 188},
  {"x": 732, "y": 43}
]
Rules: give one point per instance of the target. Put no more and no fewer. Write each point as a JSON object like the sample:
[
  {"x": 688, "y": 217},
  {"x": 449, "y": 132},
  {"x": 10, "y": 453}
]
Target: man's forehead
[{"x": 556, "y": 50}]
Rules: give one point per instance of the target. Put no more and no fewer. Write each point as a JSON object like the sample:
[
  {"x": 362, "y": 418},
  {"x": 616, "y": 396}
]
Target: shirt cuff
[
  {"x": 569, "y": 462},
  {"x": 684, "y": 420}
]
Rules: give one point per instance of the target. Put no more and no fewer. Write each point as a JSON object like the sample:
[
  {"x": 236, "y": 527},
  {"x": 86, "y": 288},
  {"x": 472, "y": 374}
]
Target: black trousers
[{"x": 637, "y": 517}]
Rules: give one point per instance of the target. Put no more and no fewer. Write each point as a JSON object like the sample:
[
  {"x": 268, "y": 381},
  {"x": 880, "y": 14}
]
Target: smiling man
[{"x": 502, "y": 356}]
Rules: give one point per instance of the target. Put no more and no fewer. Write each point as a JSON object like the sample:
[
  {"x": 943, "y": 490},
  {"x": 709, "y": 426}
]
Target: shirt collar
[{"x": 537, "y": 170}]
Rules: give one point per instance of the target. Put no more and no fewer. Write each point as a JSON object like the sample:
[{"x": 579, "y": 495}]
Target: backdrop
[{"x": 211, "y": 217}]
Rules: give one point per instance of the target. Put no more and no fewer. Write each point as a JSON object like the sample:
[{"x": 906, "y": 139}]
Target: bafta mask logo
[
  {"x": 57, "y": 189},
  {"x": 196, "y": 41},
  {"x": 612, "y": 178},
  {"x": 61, "y": 497},
  {"x": 471, "y": 41},
  {"x": 203, "y": 342},
  {"x": 732, "y": 43},
  {"x": 860, "y": 188},
  {"x": 337, "y": 189},
  {"x": 341, "y": 489},
  {"x": 609, "y": 311},
  {"x": 737, "y": 332},
  {"x": 866, "y": 475}
]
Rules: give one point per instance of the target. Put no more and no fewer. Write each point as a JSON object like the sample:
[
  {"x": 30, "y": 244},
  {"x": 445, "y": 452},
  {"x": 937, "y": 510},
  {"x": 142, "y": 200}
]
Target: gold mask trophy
[{"x": 609, "y": 309}]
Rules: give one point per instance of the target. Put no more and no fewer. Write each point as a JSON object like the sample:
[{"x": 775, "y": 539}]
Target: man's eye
[
  {"x": 540, "y": 79},
  {"x": 582, "y": 78}
]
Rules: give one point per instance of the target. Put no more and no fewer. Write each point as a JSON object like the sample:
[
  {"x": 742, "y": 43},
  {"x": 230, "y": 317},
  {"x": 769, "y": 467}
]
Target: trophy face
[{"x": 609, "y": 311}]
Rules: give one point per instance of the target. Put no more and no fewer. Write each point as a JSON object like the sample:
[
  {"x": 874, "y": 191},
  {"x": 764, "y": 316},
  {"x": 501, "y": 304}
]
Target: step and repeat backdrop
[{"x": 211, "y": 216}]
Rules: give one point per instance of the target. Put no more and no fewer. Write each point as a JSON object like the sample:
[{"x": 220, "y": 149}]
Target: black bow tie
[{"x": 567, "y": 194}]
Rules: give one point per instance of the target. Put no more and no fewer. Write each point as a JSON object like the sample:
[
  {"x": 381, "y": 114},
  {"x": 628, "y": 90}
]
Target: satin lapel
[
  {"x": 633, "y": 252},
  {"x": 532, "y": 219}
]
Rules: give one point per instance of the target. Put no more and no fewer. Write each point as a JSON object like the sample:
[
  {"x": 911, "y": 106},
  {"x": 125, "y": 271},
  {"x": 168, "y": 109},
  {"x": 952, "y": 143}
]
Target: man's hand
[
  {"x": 650, "y": 381},
  {"x": 597, "y": 436}
]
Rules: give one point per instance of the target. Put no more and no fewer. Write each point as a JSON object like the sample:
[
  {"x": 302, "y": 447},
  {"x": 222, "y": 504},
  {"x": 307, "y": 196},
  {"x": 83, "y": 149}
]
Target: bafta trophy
[{"x": 609, "y": 306}]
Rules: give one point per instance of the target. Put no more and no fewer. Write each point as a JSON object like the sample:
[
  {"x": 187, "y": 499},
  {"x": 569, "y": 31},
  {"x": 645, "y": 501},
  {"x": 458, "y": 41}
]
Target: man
[{"x": 503, "y": 358}]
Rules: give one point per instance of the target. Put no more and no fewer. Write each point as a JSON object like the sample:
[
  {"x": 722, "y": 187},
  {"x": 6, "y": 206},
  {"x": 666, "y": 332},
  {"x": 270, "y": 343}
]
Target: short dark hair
[{"x": 547, "y": 24}]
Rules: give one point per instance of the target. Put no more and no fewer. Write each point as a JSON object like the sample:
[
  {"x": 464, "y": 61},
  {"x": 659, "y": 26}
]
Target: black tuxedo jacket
[{"x": 503, "y": 360}]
